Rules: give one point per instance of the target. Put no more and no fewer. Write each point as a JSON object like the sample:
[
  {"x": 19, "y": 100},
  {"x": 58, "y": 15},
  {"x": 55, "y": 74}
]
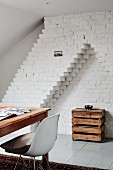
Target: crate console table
[{"x": 88, "y": 124}]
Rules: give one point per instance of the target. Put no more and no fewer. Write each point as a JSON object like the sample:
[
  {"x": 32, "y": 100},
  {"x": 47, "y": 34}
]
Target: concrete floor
[{"x": 83, "y": 153}]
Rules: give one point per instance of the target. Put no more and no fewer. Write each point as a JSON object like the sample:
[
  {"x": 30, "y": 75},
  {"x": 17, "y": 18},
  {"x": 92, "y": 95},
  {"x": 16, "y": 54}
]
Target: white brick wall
[
  {"x": 94, "y": 84},
  {"x": 89, "y": 87},
  {"x": 41, "y": 70}
]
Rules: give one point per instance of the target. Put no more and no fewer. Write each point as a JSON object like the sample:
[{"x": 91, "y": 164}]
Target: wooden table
[{"x": 15, "y": 123}]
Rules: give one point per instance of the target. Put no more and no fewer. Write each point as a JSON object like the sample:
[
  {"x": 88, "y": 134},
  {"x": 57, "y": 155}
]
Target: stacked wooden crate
[{"x": 88, "y": 124}]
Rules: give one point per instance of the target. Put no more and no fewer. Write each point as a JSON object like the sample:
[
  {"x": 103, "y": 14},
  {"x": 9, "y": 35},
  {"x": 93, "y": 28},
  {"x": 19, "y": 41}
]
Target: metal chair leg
[
  {"x": 17, "y": 162},
  {"x": 34, "y": 164},
  {"x": 25, "y": 165}
]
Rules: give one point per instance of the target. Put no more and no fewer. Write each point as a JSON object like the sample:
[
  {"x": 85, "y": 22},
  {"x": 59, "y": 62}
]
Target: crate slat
[
  {"x": 87, "y": 121},
  {"x": 85, "y": 110},
  {"x": 88, "y": 129},
  {"x": 98, "y": 138},
  {"x": 88, "y": 114}
]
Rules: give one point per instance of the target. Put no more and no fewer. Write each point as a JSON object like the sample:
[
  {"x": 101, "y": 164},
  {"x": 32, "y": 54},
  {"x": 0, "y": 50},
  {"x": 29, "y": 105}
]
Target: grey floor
[{"x": 83, "y": 153}]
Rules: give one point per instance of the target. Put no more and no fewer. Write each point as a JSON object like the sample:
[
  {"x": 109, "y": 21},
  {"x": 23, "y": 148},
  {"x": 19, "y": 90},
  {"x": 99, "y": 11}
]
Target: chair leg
[
  {"x": 44, "y": 157},
  {"x": 35, "y": 165},
  {"x": 17, "y": 162},
  {"x": 25, "y": 166},
  {"x": 24, "y": 163}
]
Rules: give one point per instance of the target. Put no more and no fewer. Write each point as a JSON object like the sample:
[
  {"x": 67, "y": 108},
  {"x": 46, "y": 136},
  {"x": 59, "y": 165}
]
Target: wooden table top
[{"x": 15, "y": 123}]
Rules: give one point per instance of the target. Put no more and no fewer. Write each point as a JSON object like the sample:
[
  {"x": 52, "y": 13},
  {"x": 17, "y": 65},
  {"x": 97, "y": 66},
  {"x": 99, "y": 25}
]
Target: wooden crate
[{"x": 88, "y": 124}]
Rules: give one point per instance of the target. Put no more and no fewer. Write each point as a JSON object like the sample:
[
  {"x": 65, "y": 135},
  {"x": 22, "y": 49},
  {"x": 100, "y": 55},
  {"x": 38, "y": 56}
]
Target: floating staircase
[
  {"x": 42, "y": 78},
  {"x": 68, "y": 76}
]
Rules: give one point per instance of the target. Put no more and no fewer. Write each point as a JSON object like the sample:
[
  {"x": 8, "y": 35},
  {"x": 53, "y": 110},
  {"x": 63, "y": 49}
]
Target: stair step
[
  {"x": 90, "y": 51},
  {"x": 79, "y": 55},
  {"x": 41, "y": 35},
  {"x": 73, "y": 74},
  {"x": 53, "y": 100},
  {"x": 59, "y": 91},
  {"x": 43, "y": 31},
  {"x": 46, "y": 100},
  {"x": 87, "y": 46},
  {"x": 76, "y": 70},
  {"x": 69, "y": 70},
  {"x": 49, "y": 97},
  {"x": 49, "y": 104},
  {"x": 55, "y": 88},
  {"x": 35, "y": 44},
  {"x": 72, "y": 65},
  {"x": 56, "y": 95},
  {"x": 69, "y": 78},
  {"x": 62, "y": 78},
  {"x": 76, "y": 60},
  {"x": 58, "y": 83},
  {"x": 51, "y": 92},
  {"x": 85, "y": 56},
  {"x": 65, "y": 83},
  {"x": 62, "y": 87},
  {"x": 83, "y": 51},
  {"x": 82, "y": 61},
  {"x": 79, "y": 65},
  {"x": 66, "y": 74}
]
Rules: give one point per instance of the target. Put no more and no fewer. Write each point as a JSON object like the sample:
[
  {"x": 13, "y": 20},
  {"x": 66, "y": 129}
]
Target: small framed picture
[{"x": 58, "y": 53}]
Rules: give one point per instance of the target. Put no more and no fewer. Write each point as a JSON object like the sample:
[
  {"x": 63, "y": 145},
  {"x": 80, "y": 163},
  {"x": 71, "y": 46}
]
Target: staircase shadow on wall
[{"x": 76, "y": 80}]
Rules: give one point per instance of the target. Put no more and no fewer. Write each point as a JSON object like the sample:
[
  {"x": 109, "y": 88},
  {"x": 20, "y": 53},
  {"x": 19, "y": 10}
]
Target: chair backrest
[{"x": 45, "y": 136}]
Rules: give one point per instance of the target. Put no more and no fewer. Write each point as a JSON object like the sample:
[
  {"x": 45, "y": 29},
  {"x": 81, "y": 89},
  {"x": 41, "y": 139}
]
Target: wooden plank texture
[
  {"x": 88, "y": 129},
  {"x": 88, "y": 114},
  {"x": 88, "y": 124},
  {"x": 85, "y": 110},
  {"x": 87, "y": 121},
  {"x": 88, "y": 137},
  {"x": 12, "y": 124}
]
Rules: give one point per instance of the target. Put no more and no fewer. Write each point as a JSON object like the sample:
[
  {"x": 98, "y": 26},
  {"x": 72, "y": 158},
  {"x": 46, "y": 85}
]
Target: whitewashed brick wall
[
  {"x": 94, "y": 84},
  {"x": 41, "y": 70}
]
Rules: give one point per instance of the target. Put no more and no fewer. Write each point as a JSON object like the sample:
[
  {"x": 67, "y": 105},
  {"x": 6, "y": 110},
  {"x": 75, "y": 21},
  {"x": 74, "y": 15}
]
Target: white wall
[
  {"x": 14, "y": 25},
  {"x": 93, "y": 84},
  {"x": 13, "y": 58}
]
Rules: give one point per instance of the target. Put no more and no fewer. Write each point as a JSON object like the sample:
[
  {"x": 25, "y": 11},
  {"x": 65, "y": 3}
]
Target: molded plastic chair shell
[{"x": 45, "y": 137}]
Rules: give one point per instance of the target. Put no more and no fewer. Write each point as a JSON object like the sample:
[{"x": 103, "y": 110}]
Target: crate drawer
[
  {"x": 88, "y": 129},
  {"x": 87, "y": 121},
  {"x": 89, "y": 137}
]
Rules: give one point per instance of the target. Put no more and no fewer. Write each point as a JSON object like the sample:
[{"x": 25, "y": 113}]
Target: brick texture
[{"x": 82, "y": 75}]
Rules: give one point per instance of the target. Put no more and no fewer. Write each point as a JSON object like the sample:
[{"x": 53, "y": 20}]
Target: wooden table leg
[{"x": 45, "y": 159}]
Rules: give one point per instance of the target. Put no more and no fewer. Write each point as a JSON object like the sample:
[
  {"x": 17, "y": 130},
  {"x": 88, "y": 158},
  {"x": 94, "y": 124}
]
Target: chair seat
[
  {"x": 37, "y": 143},
  {"x": 20, "y": 144}
]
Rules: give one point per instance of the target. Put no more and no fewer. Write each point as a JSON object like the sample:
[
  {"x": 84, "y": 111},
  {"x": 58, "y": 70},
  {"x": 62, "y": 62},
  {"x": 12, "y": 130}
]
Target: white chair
[{"x": 37, "y": 143}]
